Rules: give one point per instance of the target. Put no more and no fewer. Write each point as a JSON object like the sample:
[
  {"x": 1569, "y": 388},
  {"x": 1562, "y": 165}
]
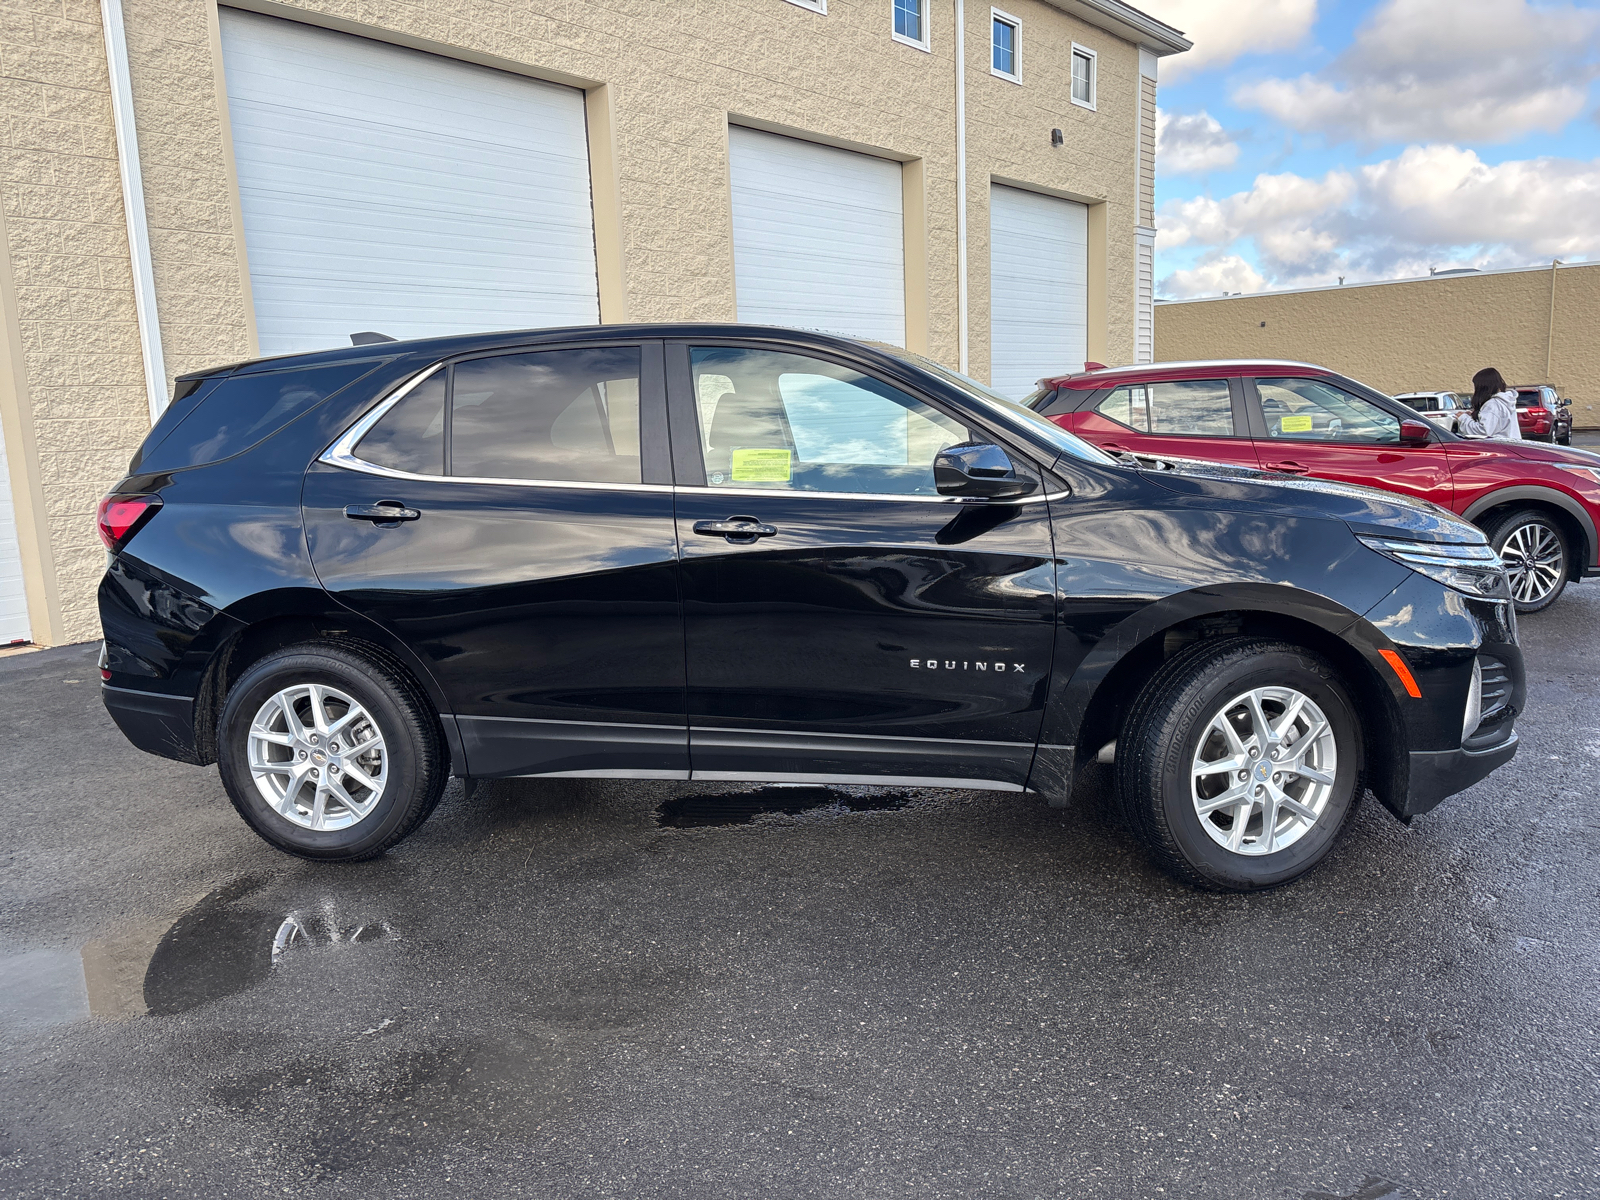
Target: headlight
[
  {"x": 1592, "y": 474},
  {"x": 1471, "y": 568}
]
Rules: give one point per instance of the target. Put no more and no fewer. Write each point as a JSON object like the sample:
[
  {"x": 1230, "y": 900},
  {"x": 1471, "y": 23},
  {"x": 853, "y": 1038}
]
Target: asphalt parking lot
[{"x": 560, "y": 990}]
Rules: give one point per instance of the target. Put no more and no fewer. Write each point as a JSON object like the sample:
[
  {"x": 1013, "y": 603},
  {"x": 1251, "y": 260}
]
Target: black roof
[{"x": 466, "y": 343}]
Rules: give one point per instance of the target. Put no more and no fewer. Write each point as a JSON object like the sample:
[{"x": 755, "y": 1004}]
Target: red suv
[
  {"x": 1538, "y": 504},
  {"x": 1543, "y": 416}
]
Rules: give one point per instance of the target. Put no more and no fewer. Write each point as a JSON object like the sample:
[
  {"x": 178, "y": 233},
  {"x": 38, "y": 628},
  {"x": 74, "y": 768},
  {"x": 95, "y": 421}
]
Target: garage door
[
  {"x": 818, "y": 237},
  {"x": 396, "y": 191},
  {"x": 1038, "y": 288},
  {"x": 13, "y": 604}
]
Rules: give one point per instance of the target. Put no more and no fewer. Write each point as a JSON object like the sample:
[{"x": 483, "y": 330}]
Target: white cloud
[
  {"x": 1213, "y": 275},
  {"x": 1430, "y": 205},
  {"x": 1221, "y": 32},
  {"x": 1423, "y": 70},
  {"x": 1192, "y": 144}
]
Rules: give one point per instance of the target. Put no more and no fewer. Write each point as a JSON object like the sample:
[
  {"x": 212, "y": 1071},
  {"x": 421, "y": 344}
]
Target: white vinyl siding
[
  {"x": 1144, "y": 329},
  {"x": 13, "y": 602},
  {"x": 387, "y": 189},
  {"x": 1038, "y": 288},
  {"x": 818, "y": 237}
]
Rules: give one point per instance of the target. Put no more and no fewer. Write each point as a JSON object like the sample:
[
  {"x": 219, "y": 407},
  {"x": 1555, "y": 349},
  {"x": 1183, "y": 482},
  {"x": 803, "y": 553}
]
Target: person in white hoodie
[{"x": 1494, "y": 409}]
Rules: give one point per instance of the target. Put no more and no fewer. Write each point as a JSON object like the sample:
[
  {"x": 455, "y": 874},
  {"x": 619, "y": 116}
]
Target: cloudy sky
[{"x": 1302, "y": 140}]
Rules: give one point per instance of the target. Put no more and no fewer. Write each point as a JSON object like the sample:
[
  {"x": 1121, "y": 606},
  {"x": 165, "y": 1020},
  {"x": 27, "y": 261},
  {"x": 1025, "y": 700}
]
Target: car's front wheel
[
  {"x": 1534, "y": 548},
  {"x": 1239, "y": 762},
  {"x": 330, "y": 751}
]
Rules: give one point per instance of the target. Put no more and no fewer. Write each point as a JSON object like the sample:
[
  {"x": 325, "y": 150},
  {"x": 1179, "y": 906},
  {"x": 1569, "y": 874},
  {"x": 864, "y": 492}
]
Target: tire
[
  {"x": 1171, "y": 728},
  {"x": 1537, "y": 556},
  {"x": 1565, "y": 439},
  {"x": 340, "y": 815}
]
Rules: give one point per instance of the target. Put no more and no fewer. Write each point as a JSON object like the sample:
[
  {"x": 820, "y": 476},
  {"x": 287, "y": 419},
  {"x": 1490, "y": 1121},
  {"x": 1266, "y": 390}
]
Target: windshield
[{"x": 1006, "y": 410}]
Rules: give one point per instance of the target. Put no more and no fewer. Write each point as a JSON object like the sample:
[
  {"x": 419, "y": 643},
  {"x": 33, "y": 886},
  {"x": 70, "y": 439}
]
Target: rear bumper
[
  {"x": 1439, "y": 774},
  {"x": 155, "y": 723}
]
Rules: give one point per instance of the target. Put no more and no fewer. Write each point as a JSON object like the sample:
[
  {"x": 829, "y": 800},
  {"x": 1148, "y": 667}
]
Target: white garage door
[
  {"x": 1038, "y": 288},
  {"x": 401, "y": 192},
  {"x": 818, "y": 237},
  {"x": 13, "y": 604}
]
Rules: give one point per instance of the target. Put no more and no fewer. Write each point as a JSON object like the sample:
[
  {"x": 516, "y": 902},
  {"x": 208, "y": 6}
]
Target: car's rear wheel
[
  {"x": 1239, "y": 763},
  {"x": 1535, "y": 551},
  {"x": 330, "y": 751}
]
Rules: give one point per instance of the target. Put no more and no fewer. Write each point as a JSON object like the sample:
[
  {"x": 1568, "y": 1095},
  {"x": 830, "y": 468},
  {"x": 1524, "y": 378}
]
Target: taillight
[{"x": 120, "y": 517}]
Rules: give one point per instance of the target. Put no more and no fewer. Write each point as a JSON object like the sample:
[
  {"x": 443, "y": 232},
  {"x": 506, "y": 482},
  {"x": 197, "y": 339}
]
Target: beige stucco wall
[
  {"x": 1425, "y": 335},
  {"x": 663, "y": 83}
]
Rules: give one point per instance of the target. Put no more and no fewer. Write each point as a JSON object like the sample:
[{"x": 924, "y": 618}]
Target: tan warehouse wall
[
  {"x": 663, "y": 82},
  {"x": 1422, "y": 335}
]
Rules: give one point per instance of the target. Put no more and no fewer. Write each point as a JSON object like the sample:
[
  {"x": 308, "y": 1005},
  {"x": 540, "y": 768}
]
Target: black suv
[{"x": 722, "y": 552}]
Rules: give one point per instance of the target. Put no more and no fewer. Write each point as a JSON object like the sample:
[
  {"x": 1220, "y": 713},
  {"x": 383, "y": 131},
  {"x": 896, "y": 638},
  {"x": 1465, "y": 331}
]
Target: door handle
[
  {"x": 740, "y": 531},
  {"x": 1289, "y": 468},
  {"x": 384, "y": 512}
]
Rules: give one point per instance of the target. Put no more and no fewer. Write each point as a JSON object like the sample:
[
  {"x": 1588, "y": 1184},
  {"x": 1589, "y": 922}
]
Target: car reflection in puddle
[
  {"x": 741, "y": 808},
  {"x": 227, "y": 942}
]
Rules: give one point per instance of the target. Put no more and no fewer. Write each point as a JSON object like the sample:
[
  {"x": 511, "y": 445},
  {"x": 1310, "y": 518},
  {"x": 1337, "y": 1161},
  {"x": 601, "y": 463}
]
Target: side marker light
[{"x": 1403, "y": 671}]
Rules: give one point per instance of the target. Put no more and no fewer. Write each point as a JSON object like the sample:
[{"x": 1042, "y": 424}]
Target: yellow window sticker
[
  {"x": 760, "y": 466},
  {"x": 1295, "y": 424}
]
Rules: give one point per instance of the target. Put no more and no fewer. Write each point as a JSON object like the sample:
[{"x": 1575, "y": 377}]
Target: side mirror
[
  {"x": 978, "y": 470},
  {"x": 1414, "y": 433}
]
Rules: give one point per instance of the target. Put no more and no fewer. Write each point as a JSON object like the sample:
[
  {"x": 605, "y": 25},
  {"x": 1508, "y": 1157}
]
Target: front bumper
[
  {"x": 155, "y": 723},
  {"x": 1438, "y": 774}
]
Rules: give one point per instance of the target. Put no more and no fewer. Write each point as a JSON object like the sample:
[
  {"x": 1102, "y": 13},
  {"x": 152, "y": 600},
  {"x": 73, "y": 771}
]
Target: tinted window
[
  {"x": 1192, "y": 407},
  {"x": 771, "y": 420},
  {"x": 410, "y": 437},
  {"x": 549, "y": 414},
  {"x": 243, "y": 409},
  {"x": 1309, "y": 410}
]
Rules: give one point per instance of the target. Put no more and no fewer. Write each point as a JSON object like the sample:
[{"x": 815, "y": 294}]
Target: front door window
[
  {"x": 1309, "y": 410},
  {"x": 789, "y": 422}
]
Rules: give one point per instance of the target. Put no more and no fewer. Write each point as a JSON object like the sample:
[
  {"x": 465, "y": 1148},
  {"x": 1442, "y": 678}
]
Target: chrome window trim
[{"x": 342, "y": 454}]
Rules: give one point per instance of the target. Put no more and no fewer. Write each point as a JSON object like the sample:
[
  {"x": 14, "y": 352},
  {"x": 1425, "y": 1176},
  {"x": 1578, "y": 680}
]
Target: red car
[
  {"x": 1542, "y": 416},
  {"x": 1538, "y": 504}
]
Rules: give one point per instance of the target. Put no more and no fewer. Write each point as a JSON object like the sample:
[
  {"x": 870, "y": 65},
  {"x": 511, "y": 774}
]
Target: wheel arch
[
  {"x": 1572, "y": 516},
  {"x": 1091, "y": 708},
  {"x": 268, "y": 624}
]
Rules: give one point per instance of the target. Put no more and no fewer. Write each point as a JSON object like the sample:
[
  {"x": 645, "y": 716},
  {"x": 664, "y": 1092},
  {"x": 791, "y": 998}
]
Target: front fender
[{"x": 1072, "y": 693}]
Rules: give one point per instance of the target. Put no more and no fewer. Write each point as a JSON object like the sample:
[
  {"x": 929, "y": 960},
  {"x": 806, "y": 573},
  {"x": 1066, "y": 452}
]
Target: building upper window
[
  {"x": 1083, "y": 76},
  {"x": 820, "y": 6},
  {"x": 1006, "y": 56},
  {"x": 911, "y": 23}
]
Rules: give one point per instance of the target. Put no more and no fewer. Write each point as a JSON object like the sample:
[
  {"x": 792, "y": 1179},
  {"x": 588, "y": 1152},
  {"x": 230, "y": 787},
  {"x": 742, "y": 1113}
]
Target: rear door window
[
  {"x": 243, "y": 410},
  {"x": 1309, "y": 410},
  {"x": 1183, "y": 407},
  {"x": 557, "y": 415}
]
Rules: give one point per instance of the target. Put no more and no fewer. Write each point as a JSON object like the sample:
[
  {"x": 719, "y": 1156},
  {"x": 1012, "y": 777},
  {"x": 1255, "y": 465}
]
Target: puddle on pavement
[
  {"x": 741, "y": 808},
  {"x": 226, "y": 942}
]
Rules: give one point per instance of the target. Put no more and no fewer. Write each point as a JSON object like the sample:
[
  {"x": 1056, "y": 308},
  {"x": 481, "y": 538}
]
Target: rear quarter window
[{"x": 243, "y": 410}]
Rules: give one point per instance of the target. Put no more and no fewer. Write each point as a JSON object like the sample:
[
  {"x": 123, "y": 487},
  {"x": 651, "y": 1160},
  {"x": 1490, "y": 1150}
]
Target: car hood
[{"x": 1365, "y": 509}]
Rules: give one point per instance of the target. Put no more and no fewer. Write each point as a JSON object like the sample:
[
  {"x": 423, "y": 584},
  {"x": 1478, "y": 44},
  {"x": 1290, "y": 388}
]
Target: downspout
[
  {"x": 1550, "y": 325},
  {"x": 961, "y": 185},
  {"x": 144, "y": 284}
]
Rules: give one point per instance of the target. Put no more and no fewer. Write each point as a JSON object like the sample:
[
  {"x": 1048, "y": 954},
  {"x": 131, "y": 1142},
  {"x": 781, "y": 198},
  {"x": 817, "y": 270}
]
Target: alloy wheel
[
  {"x": 1264, "y": 770},
  {"x": 1535, "y": 563},
  {"x": 318, "y": 757}
]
